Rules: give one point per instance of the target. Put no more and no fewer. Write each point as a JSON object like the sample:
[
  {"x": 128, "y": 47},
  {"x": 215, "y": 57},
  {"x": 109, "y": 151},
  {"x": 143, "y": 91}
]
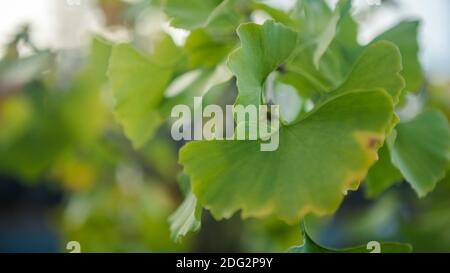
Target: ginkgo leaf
[
  {"x": 329, "y": 32},
  {"x": 330, "y": 148},
  {"x": 404, "y": 35},
  {"x": 200, "y": 86},
  {"x": 219, "y": 15},
  {"x": 88, "y": 121},
  {"x": 432, "y": 162},
  {"x": 315, "y": 15},
  {"x": 421, "y": 150},
  {"x": 330, "y": 151},
  {"x": 339, "y": 57},
  {"x": 138, "y": 84},
  {"x": 363, "y": 76},
  {"x": 345, "y": 47},
  {"x": 344, "y": 50},
  {"x": 382, "y": 175},
  {"x": 205, "y": 51},
  {"x": 187, "y": 218},
  {"x": 347, "y": 38},
  {"x": 258, "y": 56},
  {"x": 225, "y": 18},
  {"x": 196, "y": 86},
  {"x": 320, "y": 59},
  {"x": 310, "y": 246},
  {"x": 446, "y": 179},
  {"x": 275, "y": 13},
  {"x": 386, "y": 58},
  {"x": 190, "y": 14}
]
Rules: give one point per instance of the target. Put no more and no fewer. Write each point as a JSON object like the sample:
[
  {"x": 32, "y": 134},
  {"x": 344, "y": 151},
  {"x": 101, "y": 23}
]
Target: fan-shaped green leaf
[
  {"x": 379, "y": 66},
  {"x": 263, "y": 49},
  {"x": 404, "y": 35},
  {"x": 138, "y": 84},
  {"x": 421, "y": 150},
  {"x": 330, "y": 151}
]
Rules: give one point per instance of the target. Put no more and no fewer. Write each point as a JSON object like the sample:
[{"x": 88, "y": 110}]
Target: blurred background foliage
[{"x": 68, "y": 173}]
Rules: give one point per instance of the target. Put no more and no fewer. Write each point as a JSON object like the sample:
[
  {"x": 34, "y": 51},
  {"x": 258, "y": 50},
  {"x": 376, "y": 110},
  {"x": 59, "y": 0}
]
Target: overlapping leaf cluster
[
  {"x": 45, "y": 124},
  {"x": 346, "y": 95}
]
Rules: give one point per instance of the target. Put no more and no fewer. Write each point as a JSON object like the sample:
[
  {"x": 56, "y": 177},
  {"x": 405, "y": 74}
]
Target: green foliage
[
  {"x": 129, "y": 220},
  {"x": 349, "y": 124},
  {"x": 382, "y": 175},
  {"x": 228, "y": 176},
  {"x": 378, "y": 67},
  {"x": 339, "y": 102},
  {"x": 309, "y": 246},
  {"x": 328, "y": 34},
  {"x": 258, "y": 56},
  {"x": 421, "y": 150},
  {"x": 404, "y": 35},
  {"x": 205, "y": 50},
  {"x": 418, "y": 151},
  {"x": 216, "y": 15},
  {"x": 324, "y": 151},
  {"x": 48, "y": 124},
  {"x": 186, "y": 218},
  {"x": 138, "y": 85}
]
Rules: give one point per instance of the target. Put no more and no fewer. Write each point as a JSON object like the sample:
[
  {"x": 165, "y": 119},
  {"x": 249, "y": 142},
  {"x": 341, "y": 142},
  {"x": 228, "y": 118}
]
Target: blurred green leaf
[
  {"x": 328, "y": 34},
  {"x": 309, "y": 246},
  {"x": 138, "y": 84},
  {"x": 190, "y": 14},
  {"x": 58, "y": 120},
  {"x": 15, "y": 73},
  {"x": 421, "y": 150},
  {"x": 218, "y": 15},
  {"x": 203, "y": 50},
  {"x": 192, "y": 84},
  {"x": 382, "y": 175},
  {"x": 187, "y": 218}
]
